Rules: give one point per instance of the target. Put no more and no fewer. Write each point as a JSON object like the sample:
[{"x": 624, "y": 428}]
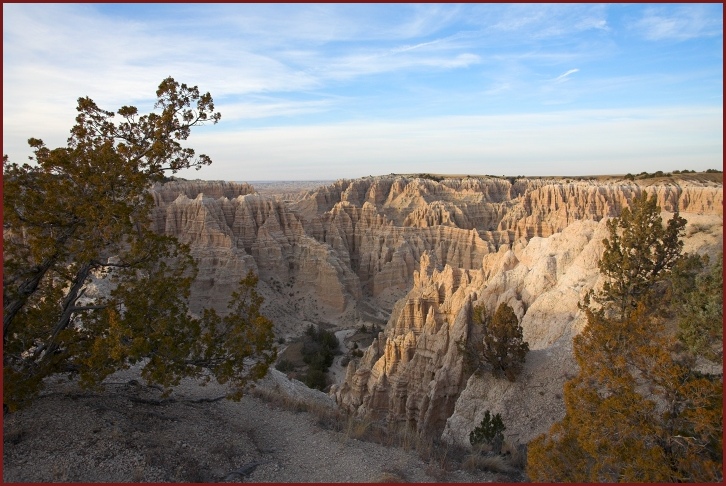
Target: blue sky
[{"x": 326, "y": 91}]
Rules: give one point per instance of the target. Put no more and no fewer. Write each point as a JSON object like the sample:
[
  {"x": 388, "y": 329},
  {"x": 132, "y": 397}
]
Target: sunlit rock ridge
[{"x": 417, "y": 254}]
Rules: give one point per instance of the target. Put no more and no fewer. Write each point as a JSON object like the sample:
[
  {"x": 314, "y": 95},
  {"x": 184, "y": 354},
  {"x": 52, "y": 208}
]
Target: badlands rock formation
[
  {"x": 419, "y": 254},
  {"x": 414, "y": 372},
  {"x": 233, "y": 231}
]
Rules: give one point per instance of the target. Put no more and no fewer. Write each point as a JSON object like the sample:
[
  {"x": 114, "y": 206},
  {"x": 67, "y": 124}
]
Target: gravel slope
[{"x": 129, "y": 433}]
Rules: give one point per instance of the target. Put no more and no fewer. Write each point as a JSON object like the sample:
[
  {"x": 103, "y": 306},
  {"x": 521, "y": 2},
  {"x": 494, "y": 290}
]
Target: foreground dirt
[{"x": 130, "y": 433}]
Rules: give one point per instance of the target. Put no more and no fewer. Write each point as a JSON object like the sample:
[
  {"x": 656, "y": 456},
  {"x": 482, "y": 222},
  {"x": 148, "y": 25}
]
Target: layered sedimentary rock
[
  {"x": 165, "y": 193},
  {"x": 502, "y": 212},
  {"x": 364, "y": 238},
  {"x": 545, "y": 280},
  {"x": 412, "y": 373},
  {"x": 384, "y": 255},
  {"x": 230, "y": 236},
  {"x": 420, "y": 253},
  {"x": 551, "y": 208}
]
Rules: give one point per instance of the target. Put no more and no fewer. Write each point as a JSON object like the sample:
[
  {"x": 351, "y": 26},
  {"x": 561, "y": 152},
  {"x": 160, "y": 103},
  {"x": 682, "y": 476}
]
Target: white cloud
[
  {"x": 460, "y": 40},
  {"x": 263, "y": 24},
  {"x": 498, "y": 88},
  {"x": 575, "y": 142},
  {"x": 564, "y": 76},
  {"x": 384, "y": 61},
  {"x": 423, "y": 20},
  {"x": 246, "y": 111},
  {"x": 685, "y": 22},
  {"x": 81, "y": 52},
  {"x": 539, "y": 21}
]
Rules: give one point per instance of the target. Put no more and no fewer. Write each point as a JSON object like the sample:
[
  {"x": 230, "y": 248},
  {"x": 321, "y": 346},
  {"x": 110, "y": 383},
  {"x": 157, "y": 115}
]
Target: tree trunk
[
  {"x": 28, "y": 288},
  {"x": 69, "y": 307},
  {"x": 25, "y": 290}
]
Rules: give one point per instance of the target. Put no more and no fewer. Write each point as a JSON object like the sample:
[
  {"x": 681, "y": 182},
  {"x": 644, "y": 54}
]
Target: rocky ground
[{"x": 130, "y": 433}]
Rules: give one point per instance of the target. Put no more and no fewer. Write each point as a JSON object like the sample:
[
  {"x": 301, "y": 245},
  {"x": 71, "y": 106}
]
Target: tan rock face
[
  {"x": 421, "y": 253},
  {"x": 411, "y": 372},
  {"x": 363, "y": 239},
  {"x": 232, "y": 234},
  {"x": 414, "y": 372}
]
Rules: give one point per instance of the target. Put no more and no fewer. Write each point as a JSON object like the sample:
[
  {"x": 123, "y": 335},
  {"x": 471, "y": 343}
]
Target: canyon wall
[
  {"x": 413, "y": 372},
  {"x": 302, "y": 279},
  {"x": 419, "y": 254}
]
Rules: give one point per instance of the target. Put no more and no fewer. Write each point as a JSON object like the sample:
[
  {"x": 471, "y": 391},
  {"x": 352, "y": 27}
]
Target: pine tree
[
  {"x": 504, "y": 347},
  {"x": 637, "y": 411},
  {"x": 489, "y": 431},
  {"x": 639, "y": 253},
  {"x": 82, "y": 212},
  {"x": 496, "y": 341},
  {"x": 633, "y": 413},
  {"x": 698, "y": 301}
]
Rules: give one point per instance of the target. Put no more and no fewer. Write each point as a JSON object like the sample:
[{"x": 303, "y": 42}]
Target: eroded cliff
[{"x": 418, "y": 254}]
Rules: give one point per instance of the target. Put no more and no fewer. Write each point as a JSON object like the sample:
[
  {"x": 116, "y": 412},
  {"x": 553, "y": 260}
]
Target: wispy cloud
[
  {"x": 441, "y": 42},
  {"x": 681, "y": 23},
  {"x": 574, "y": 142},
  {"x": 425, "y": 19},
  {"x": 385, "y": 61},
  {"x": 564, "y": 77},
  {"x": 274, "y": 69},
  {"x": 538, "y": 21},
  {"x": 498, "y": 88},
  {"x": 272, "y": 108},
  {"x": 264, "y": 25}
]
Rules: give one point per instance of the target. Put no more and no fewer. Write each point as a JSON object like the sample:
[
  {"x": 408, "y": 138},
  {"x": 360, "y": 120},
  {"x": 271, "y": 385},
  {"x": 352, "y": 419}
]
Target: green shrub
[
  {"x": 317, "y": 356},
  {"x": 319, "y": 348},
  {"x": 315, "y": 378},
  {"x": 284, "y": 365},
  {"x": 431, "y": 177},
  {"x": 489, "y": 432},
  {"x": 698, "y": 302},
  {"x": 496, "y": 342},
  {"x": 631, "y": 364}
]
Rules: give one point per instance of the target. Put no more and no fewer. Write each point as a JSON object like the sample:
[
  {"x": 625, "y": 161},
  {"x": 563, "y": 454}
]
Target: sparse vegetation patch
[
  {"x": 310, "y": 358},
  {"x": 489, "y": 431},
  {"x": 495, "y": 343}
]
